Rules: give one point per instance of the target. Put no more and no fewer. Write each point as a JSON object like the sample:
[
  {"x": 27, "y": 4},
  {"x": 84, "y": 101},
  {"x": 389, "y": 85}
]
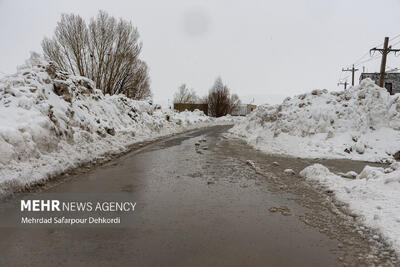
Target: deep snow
[
  {"x": 51, "y": 122},
  {"x": 373, "y": 195},
  {"x": 362, "y": 123}
]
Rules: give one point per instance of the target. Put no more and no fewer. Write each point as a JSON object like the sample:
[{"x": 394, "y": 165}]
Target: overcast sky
[{"x": 265, "y": 49}]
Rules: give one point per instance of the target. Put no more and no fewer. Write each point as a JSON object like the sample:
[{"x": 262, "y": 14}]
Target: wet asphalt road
[{"x": 198, "y": 206}]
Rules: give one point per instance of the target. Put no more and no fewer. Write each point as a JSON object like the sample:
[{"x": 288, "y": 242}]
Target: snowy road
[{"x": 200, "y": 204}]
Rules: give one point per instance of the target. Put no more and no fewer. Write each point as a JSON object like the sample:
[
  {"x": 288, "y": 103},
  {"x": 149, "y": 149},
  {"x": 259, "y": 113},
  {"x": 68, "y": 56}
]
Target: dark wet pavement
[{"x": 197, "y": 205}]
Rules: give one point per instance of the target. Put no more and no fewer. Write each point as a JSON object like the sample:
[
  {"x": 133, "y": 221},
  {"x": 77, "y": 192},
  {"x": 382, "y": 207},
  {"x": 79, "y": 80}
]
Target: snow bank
[
  {"x": 51, "y": 121},
  {"x": 360, "y": 123},
  {"x": 374, "y": 195}
]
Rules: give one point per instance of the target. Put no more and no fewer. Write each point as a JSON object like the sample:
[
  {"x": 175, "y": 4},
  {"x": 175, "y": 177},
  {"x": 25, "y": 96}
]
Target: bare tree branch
[
  {"x": 185, "y": 95},
  {"x": 106, "y": 51}
]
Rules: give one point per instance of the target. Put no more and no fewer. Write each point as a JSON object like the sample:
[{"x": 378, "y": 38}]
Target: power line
[
  {"x": 384, "y": 51},
  {"x": 391, "y": 38},
  {"x": 396, "y": 43},
  {"x": 343, "y": 83},
  {"x": 353, "y": 71},
  {"x": 368, "y": 60},
  {"x": 362, "y": 60},
  {"x": 395, "y": 37},
  {"x": 366, "y": 54},
  {"x": 343, "y": 79},
  {"x": 357, "y": 62}
]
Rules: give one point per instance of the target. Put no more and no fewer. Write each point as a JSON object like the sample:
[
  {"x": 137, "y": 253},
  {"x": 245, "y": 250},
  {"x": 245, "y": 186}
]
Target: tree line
[
  {"x": 219, "y": 99},
  {"x": 105, "y": 50}
]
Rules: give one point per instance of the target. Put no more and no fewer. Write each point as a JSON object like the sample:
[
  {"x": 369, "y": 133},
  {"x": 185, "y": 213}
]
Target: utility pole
[
  {"x": 353, "y": 70},
  {"x": 343, "y": 83},
  {"x": 384, "y": 51}
]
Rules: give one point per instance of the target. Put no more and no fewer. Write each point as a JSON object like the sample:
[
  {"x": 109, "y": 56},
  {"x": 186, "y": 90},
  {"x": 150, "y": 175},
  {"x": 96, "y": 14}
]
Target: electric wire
[{"x": 362, "y": 60}]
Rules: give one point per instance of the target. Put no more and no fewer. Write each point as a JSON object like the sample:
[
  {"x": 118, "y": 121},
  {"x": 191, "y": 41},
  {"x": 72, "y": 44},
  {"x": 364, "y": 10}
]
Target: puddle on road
[{"x": 355, "y": 243}]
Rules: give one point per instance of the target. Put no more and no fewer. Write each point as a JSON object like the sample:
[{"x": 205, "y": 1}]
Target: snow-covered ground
[
  {"x": 361, "y": 123},
  {"x": 51, "y": 122},
  {"x": 373, "y": 195}
]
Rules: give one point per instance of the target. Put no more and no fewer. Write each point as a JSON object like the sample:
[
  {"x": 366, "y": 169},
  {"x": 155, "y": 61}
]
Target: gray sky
[{"x": 265, "y": 49}]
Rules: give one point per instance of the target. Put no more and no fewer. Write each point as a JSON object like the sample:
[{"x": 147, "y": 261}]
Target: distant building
[
  {"x": 250, "y": 108},
  {"x": 191, "y": 107},
  {"x": 243, "y": 110},
  {"x": 392, "y": 80}
]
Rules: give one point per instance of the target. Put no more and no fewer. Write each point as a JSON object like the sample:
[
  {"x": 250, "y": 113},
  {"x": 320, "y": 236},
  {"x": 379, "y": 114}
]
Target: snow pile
[
  {"x": 374, "y": 195},
  {"x": 51, "y": 121},
  {"x": 361, "y": 123}
]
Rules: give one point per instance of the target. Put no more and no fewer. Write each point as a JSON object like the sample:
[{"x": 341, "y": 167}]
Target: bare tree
[
  {"x": 135, "y": 82},
  {"x": 185, "y": 95},
  {"x": 140, "y": 87},
  {"x": 105, "y": 51},
  {"x": 69, "y": 44},
  {"x": 220, "y": 102},
  {"x": 234, "y": 103}
]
